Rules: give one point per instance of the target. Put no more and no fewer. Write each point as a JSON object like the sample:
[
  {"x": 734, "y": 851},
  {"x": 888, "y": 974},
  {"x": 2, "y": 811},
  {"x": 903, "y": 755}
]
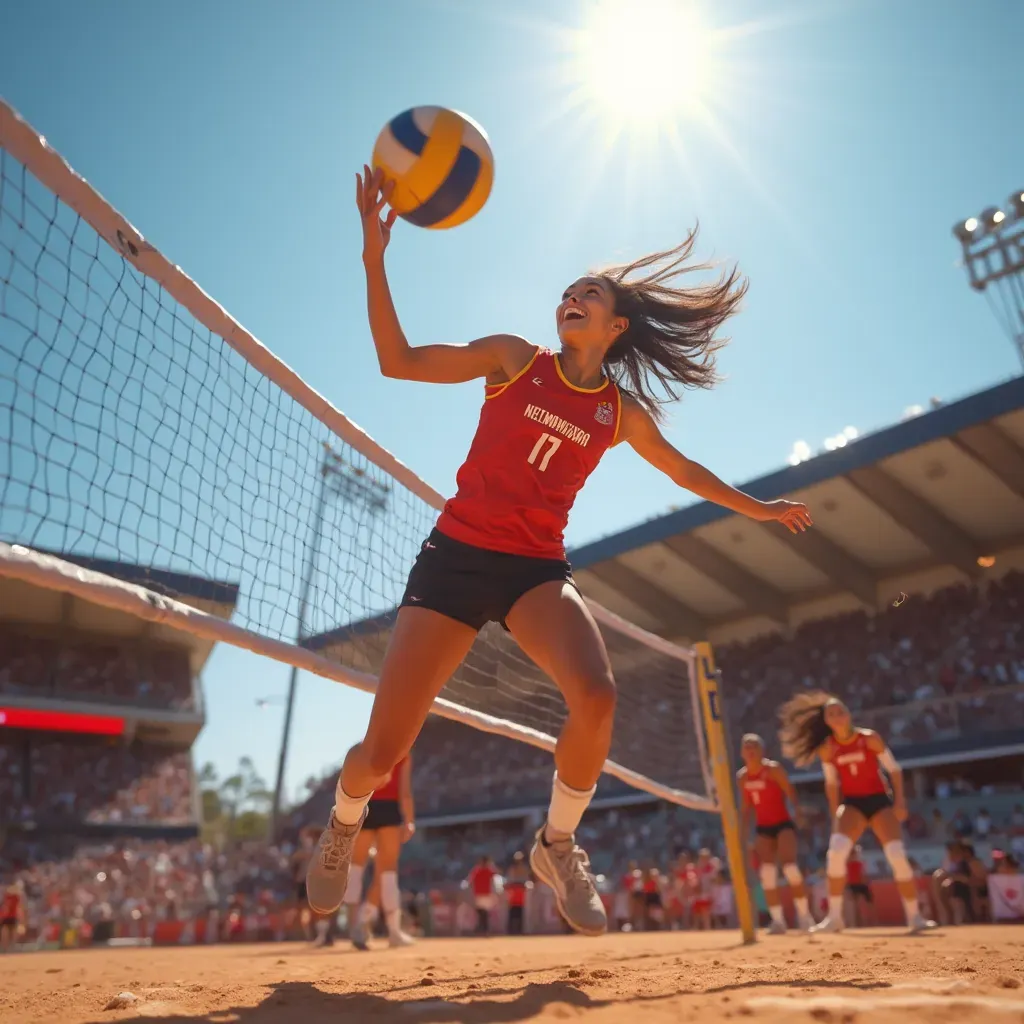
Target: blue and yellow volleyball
[{"x": 441, "y": 163}]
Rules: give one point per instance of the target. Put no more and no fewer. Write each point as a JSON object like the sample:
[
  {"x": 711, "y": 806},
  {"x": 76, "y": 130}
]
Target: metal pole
[{"x": 307, "y": 582}]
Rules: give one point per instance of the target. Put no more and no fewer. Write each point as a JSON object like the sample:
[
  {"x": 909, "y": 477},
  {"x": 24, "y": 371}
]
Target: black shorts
[
  {"x": 300, "y": 891},
  {"x": 383, "y": 814},
  {"x": 869, "y": 806},
  {"x": 473, "y": 585},
  {"x": 962, "y": 891},
  {"x": 652, "y": 899},
  {"x": 860, "y": 889},
  {"x": 772, "y": 831},
  {"x": 9, "y": 922}
]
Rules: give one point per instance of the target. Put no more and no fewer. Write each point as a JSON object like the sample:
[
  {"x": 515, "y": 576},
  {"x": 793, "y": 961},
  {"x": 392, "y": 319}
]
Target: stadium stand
[{"x": 916, "y": 620}]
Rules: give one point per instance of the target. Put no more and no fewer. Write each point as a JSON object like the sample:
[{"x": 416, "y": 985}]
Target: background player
[
  {"x": 818, "y": 725},
  {"x": 765, "y": 789},
  {"x": 628, "y": 343},
  {"x": 390, "y": 822},
  {"x": 12, "y": 917}
]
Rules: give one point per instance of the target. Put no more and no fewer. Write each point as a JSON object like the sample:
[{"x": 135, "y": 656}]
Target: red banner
[{"x": 61, "y": 721}]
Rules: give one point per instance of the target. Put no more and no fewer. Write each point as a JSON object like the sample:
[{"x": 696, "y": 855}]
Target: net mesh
[{"x": 131, "y": 431}]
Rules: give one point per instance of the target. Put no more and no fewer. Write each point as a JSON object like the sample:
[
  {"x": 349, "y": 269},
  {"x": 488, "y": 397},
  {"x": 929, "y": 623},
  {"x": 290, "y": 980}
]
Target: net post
[{"x": 721, "y": 768}]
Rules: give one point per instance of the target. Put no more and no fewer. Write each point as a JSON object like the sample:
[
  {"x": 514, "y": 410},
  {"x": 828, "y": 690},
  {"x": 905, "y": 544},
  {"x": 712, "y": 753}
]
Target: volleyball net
[{"x": 142, "y": 424}]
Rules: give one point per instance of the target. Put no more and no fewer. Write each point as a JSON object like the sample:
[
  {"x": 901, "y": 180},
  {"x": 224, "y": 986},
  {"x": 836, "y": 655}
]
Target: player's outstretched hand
[
  {"x": 372, "y": 194},
  {"x": 794, "y": 515}
]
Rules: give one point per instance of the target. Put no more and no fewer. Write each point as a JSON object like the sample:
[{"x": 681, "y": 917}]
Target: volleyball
[{"x": 441, "y": 163}]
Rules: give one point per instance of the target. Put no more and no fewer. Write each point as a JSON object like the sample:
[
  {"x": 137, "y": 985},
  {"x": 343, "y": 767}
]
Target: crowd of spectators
[
  {"x": 49, "y": 777},
  {"x": 946, "y": 665},
  {"x": 929, "y": 667},
  {"x": 137, "y": 675}
]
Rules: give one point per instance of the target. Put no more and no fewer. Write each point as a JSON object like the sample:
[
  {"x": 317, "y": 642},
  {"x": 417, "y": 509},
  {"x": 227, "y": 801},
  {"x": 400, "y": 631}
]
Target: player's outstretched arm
[
  {"x": 498, "y": 357},
  {"x": 638, "y": 428}
]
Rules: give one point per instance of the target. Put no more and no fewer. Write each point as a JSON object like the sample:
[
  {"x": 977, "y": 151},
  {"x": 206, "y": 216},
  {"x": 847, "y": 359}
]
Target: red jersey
[
  {"x": 857, "y": 764},
  {"x": 389, "y": 791},
  {"x": 10, "y": 906},
  {"x": 765, "y": 795},
  {"x": 481, "y": 880},
  {"x": 538, "y": 439}
]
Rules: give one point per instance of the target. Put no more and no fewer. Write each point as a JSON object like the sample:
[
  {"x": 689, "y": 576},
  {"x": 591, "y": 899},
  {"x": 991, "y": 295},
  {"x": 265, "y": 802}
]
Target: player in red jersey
[
  {"x": 765, "y": 789},
  {"x": 390, "y": 821},
  {"x": 12, "y": 917},
  {"x": 818, "y": 725},
  {"x": 497, "y": 552}
]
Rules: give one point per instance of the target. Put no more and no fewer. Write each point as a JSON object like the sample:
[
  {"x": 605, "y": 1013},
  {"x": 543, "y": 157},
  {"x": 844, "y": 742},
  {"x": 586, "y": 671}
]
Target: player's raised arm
[
  {"x": 642, "y": 433},
  {"x": 498, "y": 357}
]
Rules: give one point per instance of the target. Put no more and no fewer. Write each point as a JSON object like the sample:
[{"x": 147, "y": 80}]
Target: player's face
[
  {"x": 837, "y": 717},
  {"x": 586, "y": 318},
  {"x": 752, "y": 753}
]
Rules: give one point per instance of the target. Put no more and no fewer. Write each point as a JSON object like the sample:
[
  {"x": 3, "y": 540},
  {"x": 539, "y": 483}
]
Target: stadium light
[
  {"x": 354, "y": 486},
  {"x": 993, "y": 253}
]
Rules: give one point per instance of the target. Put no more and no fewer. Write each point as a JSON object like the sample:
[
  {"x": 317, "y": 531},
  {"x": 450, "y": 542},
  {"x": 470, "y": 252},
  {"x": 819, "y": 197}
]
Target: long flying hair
[
  {"x": 804, "y": 728},
  {"x": 671, "y": 341}
]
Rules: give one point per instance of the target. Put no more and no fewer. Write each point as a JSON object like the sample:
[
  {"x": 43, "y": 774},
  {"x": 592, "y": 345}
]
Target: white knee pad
[
  {"x": 354, "y": 889},
  {"x": 793, "y": 874},
  {"x": 769, "y": 877},
  {"x": 389, "y": 891},
  {"x": 839, "y": 847},
  {"x": 896, "y": 855}
]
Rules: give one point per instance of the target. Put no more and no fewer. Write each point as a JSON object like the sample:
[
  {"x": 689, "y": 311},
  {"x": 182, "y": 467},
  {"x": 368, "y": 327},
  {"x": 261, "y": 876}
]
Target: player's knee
[
  {"x": 769, "y": 877},
  {"x": 839, "y": 848},
  {"x": 793, "y": 873},
  {"x": 595, "y": 698},
  {"x": 896, "y": 854},
  {"x": 379, "y": 757}
]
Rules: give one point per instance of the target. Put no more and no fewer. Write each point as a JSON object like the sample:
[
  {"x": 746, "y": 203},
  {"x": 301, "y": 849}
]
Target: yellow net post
[{"x": 721, "y": 767}]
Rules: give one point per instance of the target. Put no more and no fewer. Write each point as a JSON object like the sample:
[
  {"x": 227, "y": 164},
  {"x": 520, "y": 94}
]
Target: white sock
[
  {"x": 912, "y": 909},
  {"x": 321, "y": 928},
  {"x": 566, "y": 810},
  {"x": 368, "y": 914},
  {"x": 776, "y": 913},
  {"x": 835, "y": 908},
  {"x": 802, "y": 909},
  {"x": 354, "y": 889},
  {"x": 394, "y": 921},
  {"x": 348, "y": 810}
]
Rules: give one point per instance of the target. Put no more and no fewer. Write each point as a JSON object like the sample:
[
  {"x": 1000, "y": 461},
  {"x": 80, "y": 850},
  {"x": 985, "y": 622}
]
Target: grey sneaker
[
  {"x": 565, "y": 867},
  {"x": 327, "y": 874}
]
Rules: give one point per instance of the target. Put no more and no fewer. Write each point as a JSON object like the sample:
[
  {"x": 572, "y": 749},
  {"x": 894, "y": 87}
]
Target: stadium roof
[
  {"x": 916, "y": 505},
  {"x": 30, "y": 605},
  {"x": 905, "y": 509}
]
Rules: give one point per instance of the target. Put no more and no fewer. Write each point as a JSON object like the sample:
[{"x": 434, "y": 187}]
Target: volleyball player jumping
[
  {"x": 496, "y": 552},
  {"x": 818, "y": 725}
]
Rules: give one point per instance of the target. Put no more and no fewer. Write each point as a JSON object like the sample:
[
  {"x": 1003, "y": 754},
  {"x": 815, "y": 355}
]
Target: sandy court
[{"x": 965, "y": 974}]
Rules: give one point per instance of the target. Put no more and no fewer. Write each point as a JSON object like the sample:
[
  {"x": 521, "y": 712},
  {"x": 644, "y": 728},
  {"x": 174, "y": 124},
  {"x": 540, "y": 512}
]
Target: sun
[{"x": 644, "y": 64}]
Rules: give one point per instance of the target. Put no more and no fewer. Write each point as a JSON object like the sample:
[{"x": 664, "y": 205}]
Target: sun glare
[{"x": 644, "y": 64}]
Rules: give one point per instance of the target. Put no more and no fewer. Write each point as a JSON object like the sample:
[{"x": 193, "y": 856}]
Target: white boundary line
[{"x": 32, "y": 150}]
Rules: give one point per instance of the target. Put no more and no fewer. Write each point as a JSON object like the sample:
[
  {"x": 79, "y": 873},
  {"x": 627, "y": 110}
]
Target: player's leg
[
  {"x": 767, "y": 847},
  {"x": 887, "y": 830},
  {"x": 353, "y": 898},
  {"x": 846, "y": 830},
  {"x": 425, "y": 649},
  {"x": 555, "y": 628},
  {"x": 389, "y": 846},
  {"x": 787, "y": 854}
]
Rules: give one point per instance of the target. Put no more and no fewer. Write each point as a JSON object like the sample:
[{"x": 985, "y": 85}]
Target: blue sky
[{"x": 842, "y": 141}]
